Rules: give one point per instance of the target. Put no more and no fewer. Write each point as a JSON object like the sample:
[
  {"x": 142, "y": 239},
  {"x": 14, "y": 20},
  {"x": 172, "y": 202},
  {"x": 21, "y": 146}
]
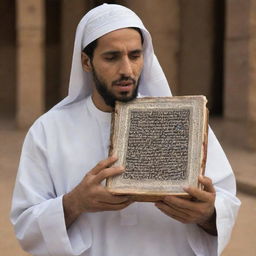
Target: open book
[{"x": 162, "y": 143}]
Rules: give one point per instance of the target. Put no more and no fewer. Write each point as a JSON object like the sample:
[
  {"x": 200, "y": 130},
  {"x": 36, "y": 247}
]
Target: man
[{"x": 60, "y": 206}]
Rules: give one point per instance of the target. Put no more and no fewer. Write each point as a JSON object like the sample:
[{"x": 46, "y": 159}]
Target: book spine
[
  {"x": 204, "y": 145},
  {"x": 113, "y": 127}
]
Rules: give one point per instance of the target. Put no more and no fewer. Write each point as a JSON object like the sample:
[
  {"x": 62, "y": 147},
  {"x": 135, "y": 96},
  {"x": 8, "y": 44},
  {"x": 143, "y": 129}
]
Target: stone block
[
  {"x": 197, "y": 18},
  {"x": 236, "y": 79},
  {"x": 157, "y": 16},
  {"x": 30, "y": 37},
  {"x": 71, "y": 13},
  {"x": 237, "y": 18},
  {"x": 30, "y": 91},
  {"x": 231, "y": 131},
  {"x": 251, "y": 135},
  {"x": 252, "y": 82},
  {"x": 30, "y": 13},
  {"x": 163, "y": 22},
  {"x": 166, "y": 49},
  {"x": 196, "y": 67},
  {"x": 253, "y": 19},
  {"x": 30, "y": 61}
]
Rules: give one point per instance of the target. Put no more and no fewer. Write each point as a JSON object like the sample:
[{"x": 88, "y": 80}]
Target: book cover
[{"x": 162, "y": 143}]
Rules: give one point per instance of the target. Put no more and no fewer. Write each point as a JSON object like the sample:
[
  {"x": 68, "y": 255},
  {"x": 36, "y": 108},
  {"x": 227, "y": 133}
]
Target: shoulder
[
  {"x": 62, "y": 113},
  {"x": 57, "y": 118}
]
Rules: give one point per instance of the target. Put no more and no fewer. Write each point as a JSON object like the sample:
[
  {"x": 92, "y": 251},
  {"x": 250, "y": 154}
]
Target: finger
[
  {"x": 184, "y": 211},
  {"x": 103, "y": 164},
  {"x": 207, "y": 182},
  {"x": 180, "y": 203},
  {"x": 106, "y": 196},
  {"x": 103, "y": 206},
  {"x": 200, "y": 195},
  {"x": 193, "y": 210},
  {"x": 108, "y": 172},
  {"x": 115, "y": 201},
  {"x": 173, "y": 213}
]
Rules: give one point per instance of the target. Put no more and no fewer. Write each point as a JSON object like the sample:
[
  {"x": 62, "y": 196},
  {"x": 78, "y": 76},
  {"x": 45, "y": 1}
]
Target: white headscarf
[{"x": 98, "y": 22}]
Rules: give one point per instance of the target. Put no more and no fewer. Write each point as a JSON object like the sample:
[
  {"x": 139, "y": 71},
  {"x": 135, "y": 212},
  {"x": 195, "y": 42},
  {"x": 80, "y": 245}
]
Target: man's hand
[
  {"x": 91, "y": 196},
  {"x": 200, "y": 209}
]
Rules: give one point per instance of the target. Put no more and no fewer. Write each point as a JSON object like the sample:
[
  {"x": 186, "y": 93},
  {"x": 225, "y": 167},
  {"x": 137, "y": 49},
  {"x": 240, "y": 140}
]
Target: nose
[{"x": 125, "y": 68}]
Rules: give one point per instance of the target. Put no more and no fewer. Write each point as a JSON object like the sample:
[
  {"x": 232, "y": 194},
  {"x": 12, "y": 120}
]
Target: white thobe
[{"x": 59, "y": 149}]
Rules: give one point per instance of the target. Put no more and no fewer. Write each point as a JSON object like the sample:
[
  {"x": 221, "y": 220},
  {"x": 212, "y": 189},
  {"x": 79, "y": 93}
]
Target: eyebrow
[{"x": 136, "y": 51}]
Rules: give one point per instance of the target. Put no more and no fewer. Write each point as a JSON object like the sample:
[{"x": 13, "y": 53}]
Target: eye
[
  {"x": 135, "y": 55},
  {"x": 110, "y": 58}
]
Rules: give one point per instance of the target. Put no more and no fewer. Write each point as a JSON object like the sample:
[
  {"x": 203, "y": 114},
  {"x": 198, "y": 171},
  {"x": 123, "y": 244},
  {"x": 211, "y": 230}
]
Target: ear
[{"x": 86, "y": 62}]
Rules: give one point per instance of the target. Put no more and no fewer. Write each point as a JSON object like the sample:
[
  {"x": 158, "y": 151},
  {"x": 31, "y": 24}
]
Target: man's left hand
[{"x": 200, "y": 210}]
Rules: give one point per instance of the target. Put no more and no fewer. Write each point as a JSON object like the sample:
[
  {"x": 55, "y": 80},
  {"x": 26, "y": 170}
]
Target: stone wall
[
  {"x": 163, "y": 22},
  {"x": 30, "y": 26},
  {"x": 52, "y": 52},
  {"x": 252, "y": 70},
  {"x": 197, "y": 39},
  {"x": 240, "y": 70},
  {"x": 71, "y": 13},
  {"x": 184, "y": 36}
]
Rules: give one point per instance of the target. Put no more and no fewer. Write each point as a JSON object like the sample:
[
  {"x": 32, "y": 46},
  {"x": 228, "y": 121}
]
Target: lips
[
  {"x": 124, "y": 86},
  {"x": 124, "y": 83}
]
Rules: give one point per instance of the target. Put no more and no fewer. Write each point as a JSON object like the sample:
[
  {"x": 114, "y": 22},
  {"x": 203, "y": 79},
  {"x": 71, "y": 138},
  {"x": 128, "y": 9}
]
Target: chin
[{"x": 126, "y": 97}]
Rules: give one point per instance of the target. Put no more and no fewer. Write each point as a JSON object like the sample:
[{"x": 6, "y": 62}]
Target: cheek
[
  {"x": 139, "y": 68},
  {"x": 108, "y": 73},
  {"x": 103, "y": 69}
]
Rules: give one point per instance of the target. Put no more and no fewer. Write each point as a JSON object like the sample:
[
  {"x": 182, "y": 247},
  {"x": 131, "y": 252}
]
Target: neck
[{"x": 100, "y": 103}]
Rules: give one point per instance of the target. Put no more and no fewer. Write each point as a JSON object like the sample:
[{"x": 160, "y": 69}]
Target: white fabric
[{"x": 70, "y": 139}]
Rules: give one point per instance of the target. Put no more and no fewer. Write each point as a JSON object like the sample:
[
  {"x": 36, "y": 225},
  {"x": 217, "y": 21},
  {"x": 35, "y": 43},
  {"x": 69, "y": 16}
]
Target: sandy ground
[
  {"x": 10, "y": 146},
  {"x": 243, "y": 241}
]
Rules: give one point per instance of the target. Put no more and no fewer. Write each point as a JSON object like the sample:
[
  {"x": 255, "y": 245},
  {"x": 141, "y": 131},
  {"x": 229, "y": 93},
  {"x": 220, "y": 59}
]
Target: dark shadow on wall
[
  {"x": 52, "y": 52},
  {"x": 201, "y": 59},
  {"x": 60, "y": 28},
  {"x": 8, "y": 59},
  {"x": 218, "y": 77}
]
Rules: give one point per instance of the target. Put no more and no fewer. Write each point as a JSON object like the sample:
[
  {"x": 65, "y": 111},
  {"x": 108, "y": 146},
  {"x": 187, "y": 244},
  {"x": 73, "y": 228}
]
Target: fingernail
[
  {"x": 185, "y": 188},
  {"x": 114, "y": 156}
]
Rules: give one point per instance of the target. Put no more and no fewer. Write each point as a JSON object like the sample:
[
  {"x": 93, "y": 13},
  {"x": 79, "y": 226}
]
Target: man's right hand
[{"x": 91, "y": 196}]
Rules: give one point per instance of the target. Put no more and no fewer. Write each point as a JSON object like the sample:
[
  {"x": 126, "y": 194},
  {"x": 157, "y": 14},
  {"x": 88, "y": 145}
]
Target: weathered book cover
[{"x": 162, "y": 143}]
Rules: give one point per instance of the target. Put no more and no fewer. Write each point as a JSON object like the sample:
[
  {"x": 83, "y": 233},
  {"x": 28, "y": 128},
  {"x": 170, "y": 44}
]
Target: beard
[{"x": 108, "y": 96}]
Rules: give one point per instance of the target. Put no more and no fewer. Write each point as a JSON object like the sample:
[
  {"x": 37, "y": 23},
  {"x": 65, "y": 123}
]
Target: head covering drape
[{"x": 98, "y": 22}]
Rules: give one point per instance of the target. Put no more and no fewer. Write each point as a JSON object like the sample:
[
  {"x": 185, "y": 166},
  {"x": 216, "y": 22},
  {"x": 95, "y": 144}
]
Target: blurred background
[{"x": 204, "y": 47}]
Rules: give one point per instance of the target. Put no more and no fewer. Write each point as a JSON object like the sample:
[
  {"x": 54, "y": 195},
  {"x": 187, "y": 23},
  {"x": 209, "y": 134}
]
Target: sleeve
[
  {"x": 37, "y": 213},
  {"x": 226, "y": 203}
]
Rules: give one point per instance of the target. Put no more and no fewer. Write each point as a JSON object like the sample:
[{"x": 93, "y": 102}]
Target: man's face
[{"x": 116, "y": 66}]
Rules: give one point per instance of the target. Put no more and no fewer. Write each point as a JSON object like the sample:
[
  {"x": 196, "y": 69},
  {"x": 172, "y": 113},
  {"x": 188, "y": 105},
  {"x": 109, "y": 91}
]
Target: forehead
[{"x": 126, "y": 37}]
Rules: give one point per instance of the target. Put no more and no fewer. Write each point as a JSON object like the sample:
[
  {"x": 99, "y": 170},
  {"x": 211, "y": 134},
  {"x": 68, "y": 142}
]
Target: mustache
[{"x": 124, "y": 79}]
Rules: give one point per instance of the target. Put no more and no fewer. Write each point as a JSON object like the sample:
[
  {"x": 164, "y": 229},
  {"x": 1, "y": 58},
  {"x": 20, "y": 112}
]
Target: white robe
[{"x": 59, "y": 149}]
